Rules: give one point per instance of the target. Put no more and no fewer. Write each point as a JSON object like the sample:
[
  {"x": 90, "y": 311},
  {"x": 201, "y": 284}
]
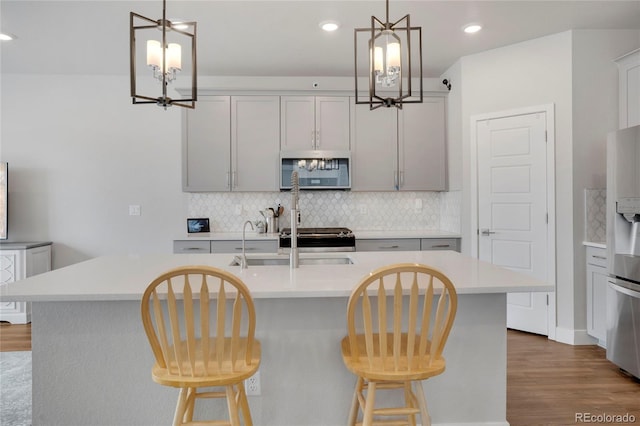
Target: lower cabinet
[
  {"x": 597, "y": 294},
  {"x": 440, "y": 244},
  {"x": 408, "y": 244},
  {"x": 225, "y": 246},
  {"x": 251, "y": 246},
  {"x": 19, "y": 261},
  {"x": 388, "y": 244}
]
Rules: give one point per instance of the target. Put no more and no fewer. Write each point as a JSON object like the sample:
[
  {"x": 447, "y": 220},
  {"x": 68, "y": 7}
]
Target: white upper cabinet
[
  {"x": 255, "y": 137},
  {"x": 314, "y": 123},
  {"x": 231, "y": 144},
  {"x": 374, "y": 146},
  {"x": 206, "y": 148},
  {"x": 629, "y": 89},
  {"x": 401, "y": 150},
  {"x": 421, "y": 146}
]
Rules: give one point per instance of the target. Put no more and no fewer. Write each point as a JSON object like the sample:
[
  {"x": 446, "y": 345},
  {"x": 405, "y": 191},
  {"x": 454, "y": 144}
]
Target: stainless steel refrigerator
[{"x": 623, "y": 249}]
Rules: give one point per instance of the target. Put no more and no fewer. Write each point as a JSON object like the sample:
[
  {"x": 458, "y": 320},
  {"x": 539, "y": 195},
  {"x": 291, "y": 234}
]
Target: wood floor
[{"x": 548, "y": 383}]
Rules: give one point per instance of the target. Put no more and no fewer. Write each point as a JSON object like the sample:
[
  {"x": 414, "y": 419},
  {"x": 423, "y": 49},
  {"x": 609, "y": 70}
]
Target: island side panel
[{"x": 91, "y": 365}]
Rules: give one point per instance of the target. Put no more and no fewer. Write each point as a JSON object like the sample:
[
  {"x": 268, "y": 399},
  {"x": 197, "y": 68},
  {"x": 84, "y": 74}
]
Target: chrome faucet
[
  {"x": 243, "y": 259},
  {"x": 294, "y": 257}
]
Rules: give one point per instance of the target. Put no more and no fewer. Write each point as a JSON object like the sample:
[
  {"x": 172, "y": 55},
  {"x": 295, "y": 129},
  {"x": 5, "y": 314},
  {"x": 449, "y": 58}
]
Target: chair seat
[
  {"x": 421, "y": 368},
  {"x": 216, "y": 374}
]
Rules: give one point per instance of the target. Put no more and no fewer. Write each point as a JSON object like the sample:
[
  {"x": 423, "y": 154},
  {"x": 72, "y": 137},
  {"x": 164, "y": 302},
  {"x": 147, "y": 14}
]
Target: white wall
[
  {"x": 595, "y": 113},
  {"x": 564, "y": 69},
  {"x": 79, "y": 154}
]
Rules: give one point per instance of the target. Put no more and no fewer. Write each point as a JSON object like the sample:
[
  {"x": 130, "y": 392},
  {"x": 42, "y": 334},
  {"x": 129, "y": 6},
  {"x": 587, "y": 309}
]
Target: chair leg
[
  {"x": 353, "y": 412},
  {"x": 244, "y": 405},
  {"x": 422, "y": 403},
  {"x": 409, "y": 402},
  {"x": 178, "y": 417},
  {"x": 369, "y": 404},
  {"x": 190, "y": 405},
  {"x": 232, "y": 406}
]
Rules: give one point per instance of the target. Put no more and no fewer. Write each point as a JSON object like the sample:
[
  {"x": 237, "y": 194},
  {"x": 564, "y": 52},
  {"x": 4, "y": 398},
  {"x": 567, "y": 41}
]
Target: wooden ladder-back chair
[
  {"x": 398, "y": 320},
  {"x": 200, "y": 322}
]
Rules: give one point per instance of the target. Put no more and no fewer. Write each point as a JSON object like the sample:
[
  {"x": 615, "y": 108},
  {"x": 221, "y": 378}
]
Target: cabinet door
[
  {"x": 193, "y": 246},
  {"x": 388, "y": 244},
  {"x": 332, "y": 123},
  {"x": 421, "y": 147},
  {"x": 597, "y": 302},
  {"x": 38, "y": 260},
  {"x": 255, "y": 138},
  {"x": 629, "y": 89},
  {"x": 440, "y": 244},
  {"x": 206, "y": 149},
  {"x": 270, "y": 246},
  {"x": 374, "y": 148},
  {"x": 297, "y": 121}
]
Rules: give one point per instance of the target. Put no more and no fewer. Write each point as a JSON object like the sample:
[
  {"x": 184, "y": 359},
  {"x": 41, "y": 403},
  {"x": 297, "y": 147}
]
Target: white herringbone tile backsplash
[
  {"x": 595, "y": 201},
  {"x": 227, "y": 211}
]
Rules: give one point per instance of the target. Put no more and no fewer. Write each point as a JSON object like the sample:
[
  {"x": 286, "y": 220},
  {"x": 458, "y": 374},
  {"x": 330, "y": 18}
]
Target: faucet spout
[{"x": 243, "y": 259}]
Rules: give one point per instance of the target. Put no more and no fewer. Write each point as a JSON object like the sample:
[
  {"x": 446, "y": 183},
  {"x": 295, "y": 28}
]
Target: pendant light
[
  {"x": 390, "y": 57},
  {"x": 163, "y": 42}
]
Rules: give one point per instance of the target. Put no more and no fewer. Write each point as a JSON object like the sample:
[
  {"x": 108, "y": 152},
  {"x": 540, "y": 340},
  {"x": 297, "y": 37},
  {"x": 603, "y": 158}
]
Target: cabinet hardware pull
[
  {"x": 599, "y": 257},
  {"x": 246, "y": 249},
  {"x": 486, "y": 232},
  {"x": 389, "y": 247},
  {"x": 441, "y": 245}
]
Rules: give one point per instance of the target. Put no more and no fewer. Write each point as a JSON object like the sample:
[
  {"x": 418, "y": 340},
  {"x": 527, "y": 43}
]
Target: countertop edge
[
  {"x": 19, "y": 245},
  {"x": 595, "y": 244},
  {"x": 360, "y": 235}
]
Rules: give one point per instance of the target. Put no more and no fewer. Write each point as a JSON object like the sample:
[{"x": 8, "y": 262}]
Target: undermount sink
[{"x": 274, "y": 260}]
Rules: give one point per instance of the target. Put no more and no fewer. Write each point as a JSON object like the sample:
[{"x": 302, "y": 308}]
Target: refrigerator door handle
[{"x": 624, "y": 290}]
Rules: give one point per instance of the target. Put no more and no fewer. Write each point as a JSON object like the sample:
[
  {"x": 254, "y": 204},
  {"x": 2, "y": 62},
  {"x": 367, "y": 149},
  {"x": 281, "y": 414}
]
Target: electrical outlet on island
[{"x": 252, "y": 385}]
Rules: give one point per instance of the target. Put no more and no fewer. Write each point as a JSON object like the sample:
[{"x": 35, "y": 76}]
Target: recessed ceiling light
[
  {"x": 472, "y": 28},
  {"x": 7, "y": 37},
  {"x": 329, "y": 25}
]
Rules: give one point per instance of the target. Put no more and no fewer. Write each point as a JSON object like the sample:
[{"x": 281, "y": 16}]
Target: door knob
[{"x": 486, "y": 232}]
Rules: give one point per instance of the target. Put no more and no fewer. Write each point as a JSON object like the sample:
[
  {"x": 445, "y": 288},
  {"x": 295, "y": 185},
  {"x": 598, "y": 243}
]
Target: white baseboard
[{"x": 574, "y": 337}]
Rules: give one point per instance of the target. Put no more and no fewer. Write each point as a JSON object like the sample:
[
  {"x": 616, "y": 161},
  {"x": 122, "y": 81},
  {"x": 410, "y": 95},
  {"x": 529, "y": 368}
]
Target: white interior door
[{"x": 512, "y": 208}]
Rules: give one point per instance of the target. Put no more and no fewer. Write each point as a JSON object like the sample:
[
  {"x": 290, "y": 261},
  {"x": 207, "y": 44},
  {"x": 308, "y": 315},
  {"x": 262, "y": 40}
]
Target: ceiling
[{"x": 282, "y": 38}]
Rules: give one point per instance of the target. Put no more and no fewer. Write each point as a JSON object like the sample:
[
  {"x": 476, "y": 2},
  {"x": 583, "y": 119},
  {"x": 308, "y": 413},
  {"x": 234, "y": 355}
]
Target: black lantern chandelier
[
  {"x": 390, "y": 59},
  {"x": 163, "y": 57}
]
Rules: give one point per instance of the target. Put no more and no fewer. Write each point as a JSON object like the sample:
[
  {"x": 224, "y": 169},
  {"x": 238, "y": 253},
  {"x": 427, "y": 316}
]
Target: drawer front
[
  {"x": 250, "y": 246},
  {"x": 401, "y": 244},
  {"x": 596, "y": 256},
  {"x": 186, "y": 246},
  {"x": 440, "y": 244}
]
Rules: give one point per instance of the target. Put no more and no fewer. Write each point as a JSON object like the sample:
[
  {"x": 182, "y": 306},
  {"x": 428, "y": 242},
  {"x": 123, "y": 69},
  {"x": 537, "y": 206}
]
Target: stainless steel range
[{"x": 319, "y": 239}]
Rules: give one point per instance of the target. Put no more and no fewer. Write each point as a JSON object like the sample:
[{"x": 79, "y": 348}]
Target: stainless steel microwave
[{"x": 316, "y": 169}]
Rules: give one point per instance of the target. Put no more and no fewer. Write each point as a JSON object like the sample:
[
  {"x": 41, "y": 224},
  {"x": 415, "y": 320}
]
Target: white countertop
[
  {"x": 126, "y": 277},
  {"x": 360, "y": 234},
  {"x": 595, "y": 244}
]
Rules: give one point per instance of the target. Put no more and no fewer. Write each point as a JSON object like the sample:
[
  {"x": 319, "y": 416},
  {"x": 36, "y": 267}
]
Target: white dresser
[{"x": 19, "y": 261}]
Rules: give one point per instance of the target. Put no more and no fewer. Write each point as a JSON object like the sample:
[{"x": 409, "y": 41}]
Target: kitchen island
[{"x": 92, "y": 361}]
